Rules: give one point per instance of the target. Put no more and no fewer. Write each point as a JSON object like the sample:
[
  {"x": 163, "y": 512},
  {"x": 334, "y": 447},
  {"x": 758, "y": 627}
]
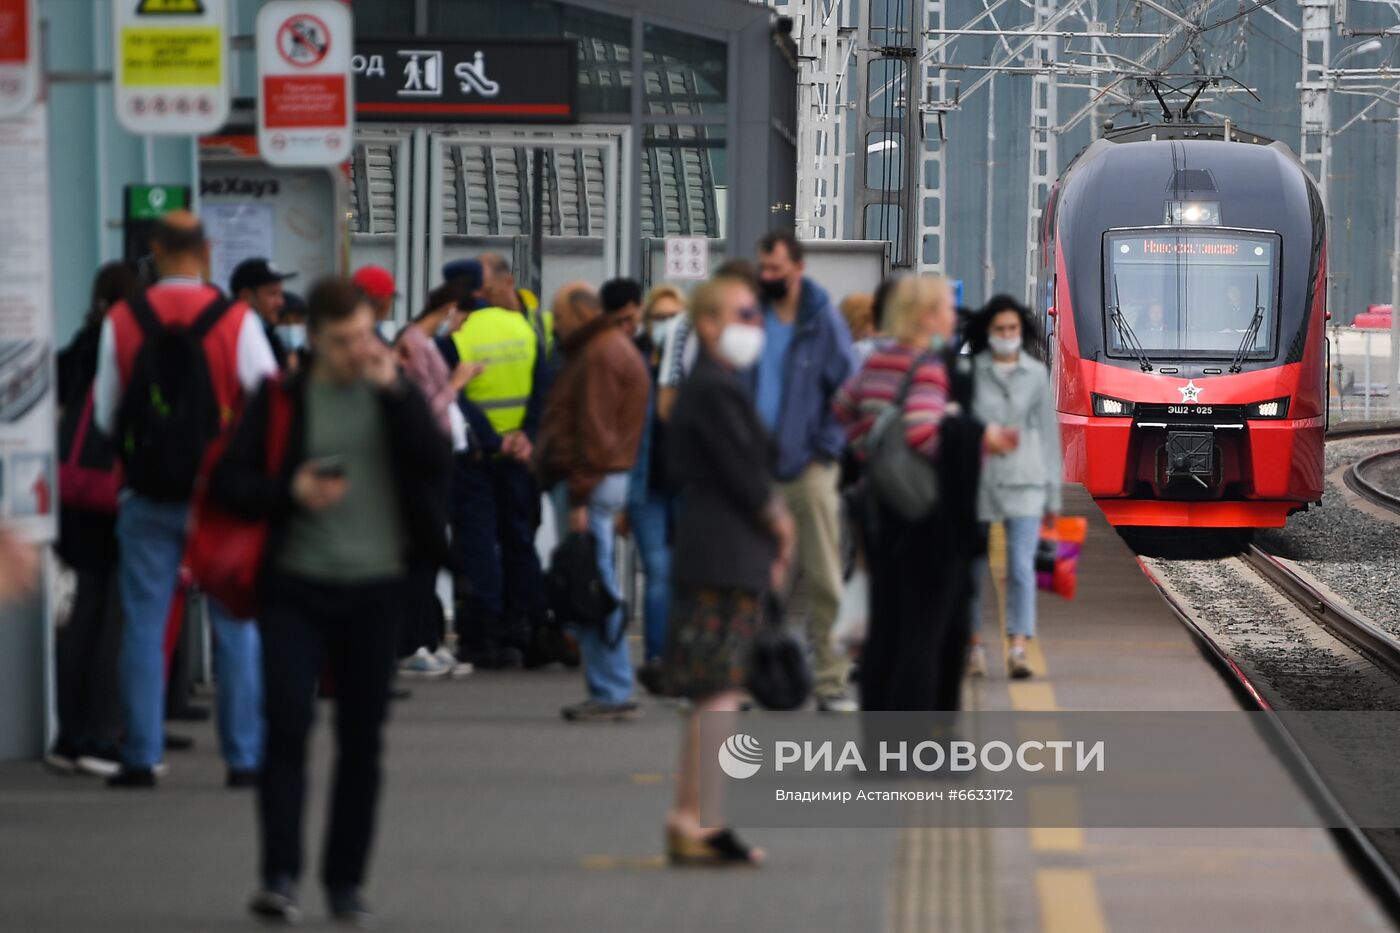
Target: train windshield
[{"x": 1195, "y": 295}]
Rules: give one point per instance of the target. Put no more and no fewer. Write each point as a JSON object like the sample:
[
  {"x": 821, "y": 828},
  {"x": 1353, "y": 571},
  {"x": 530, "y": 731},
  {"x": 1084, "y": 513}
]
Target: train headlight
[
  {"x": 1272, "y": 409},
  {"x": 1193, "y": 213},
  {"x": 1106, "y": 407}
]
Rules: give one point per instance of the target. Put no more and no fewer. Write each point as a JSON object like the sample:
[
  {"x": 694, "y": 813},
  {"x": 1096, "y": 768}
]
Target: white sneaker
[
  {"x": 837, "y": 703},
  {"x": 98, "y": 765},
  {"x": 1016, "y": 664},
  {"x": 977, "y": 661},
  {"x": 423, "y": 665},
  {"x": 455, "y": 668}
]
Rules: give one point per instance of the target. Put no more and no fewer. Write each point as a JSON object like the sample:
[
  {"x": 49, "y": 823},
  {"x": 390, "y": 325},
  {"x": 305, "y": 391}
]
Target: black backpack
[{"x": 169, "y": 412}]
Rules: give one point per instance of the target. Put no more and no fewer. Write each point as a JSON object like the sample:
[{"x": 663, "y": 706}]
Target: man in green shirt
[{"x": 357, "y": 503}]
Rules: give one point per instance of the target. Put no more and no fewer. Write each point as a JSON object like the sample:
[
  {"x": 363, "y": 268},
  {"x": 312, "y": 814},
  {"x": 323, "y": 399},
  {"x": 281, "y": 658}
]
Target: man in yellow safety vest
[
  {"x": 497, "y": 278},
  {"x": 495, "y": 499}
]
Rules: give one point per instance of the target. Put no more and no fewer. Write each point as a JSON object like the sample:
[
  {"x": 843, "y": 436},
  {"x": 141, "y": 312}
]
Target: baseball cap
[
  {"x": 254, "y": 273},
  {"x": 375, "y": 281},
  {"x": 467, "y": 269}
]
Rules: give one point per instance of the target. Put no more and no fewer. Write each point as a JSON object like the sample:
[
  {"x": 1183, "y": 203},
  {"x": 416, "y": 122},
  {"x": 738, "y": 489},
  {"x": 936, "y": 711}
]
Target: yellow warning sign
[
  {"x": 191, "y": 56},
  {"x": 162, "y": 7}
]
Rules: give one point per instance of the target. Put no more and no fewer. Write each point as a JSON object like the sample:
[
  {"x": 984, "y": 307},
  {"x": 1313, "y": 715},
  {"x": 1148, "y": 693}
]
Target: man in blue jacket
[{"x": 806, "y": 357}]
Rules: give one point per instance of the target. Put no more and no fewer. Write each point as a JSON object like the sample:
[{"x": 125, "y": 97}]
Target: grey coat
[{"x": 1026, "y": 482}]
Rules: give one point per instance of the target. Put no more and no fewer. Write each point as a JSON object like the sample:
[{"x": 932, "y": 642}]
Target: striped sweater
[{"x": 873, "y": 389}]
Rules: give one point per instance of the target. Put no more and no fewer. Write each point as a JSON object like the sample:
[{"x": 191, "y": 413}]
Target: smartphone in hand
[{"x": 330, "y": 468}]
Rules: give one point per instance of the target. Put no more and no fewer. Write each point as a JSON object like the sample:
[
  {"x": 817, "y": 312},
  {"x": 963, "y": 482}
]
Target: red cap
[{"x": 375, "y": 281}]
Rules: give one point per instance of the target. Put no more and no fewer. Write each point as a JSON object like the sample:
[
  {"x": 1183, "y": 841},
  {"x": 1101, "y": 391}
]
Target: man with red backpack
[{"x": 174, "y": 365}]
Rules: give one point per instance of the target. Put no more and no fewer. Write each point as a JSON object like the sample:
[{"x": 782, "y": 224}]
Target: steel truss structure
[{"x": 895, "y": 187}]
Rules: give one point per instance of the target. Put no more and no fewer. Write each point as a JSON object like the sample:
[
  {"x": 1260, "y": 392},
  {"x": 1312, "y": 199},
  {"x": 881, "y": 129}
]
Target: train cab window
[{"x": 1187, "y": 295}]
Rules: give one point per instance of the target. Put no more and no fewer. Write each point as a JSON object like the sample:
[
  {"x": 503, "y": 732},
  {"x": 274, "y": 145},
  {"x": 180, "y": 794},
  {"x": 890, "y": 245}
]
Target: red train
[{"x": 1182, "y": 288}]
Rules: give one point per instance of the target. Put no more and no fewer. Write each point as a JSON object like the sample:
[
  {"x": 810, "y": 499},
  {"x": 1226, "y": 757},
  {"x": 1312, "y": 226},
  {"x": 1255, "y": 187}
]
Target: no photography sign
[{"x": 305, "y": 111}]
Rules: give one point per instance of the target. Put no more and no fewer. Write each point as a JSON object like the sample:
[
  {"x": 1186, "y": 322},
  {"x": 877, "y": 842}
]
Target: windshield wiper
[
  {"x": 1250, "y": 332},
  {"x": 1125, "y": 332}
]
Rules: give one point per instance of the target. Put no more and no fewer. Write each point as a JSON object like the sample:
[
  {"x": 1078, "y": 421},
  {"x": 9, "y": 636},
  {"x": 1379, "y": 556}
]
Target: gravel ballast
[{"x": 1354, "y": 553}]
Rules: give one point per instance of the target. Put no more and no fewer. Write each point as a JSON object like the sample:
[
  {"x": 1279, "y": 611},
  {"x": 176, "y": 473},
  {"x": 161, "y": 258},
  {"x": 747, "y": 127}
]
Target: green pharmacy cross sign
[
  {"x": 151, "y": 202},
  {"x": 146, "y": 204}
]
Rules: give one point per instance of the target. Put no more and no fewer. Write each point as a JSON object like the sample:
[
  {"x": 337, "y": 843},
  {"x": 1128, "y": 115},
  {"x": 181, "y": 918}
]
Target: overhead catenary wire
[{"x": 1259, "y": 4}]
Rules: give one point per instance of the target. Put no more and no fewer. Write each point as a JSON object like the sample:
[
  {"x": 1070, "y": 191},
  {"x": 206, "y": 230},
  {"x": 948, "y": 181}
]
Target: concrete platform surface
[
  {"x": 498, "y": 816},
  {"x": 1117, "y": 646}
]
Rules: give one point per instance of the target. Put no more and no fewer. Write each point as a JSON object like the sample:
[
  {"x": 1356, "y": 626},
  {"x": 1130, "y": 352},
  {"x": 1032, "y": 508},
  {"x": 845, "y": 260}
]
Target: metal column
[
  {"x": 826, "y": 52},
  {"x": 1315, "y": 150},
  {"x": 1315, "y": 147},
  {"x": 933, "y": 172},
  {"x": 1392, "y": 376},
  {"x": 1044, "y": 143},
  {"x": 898, "y": 117}
]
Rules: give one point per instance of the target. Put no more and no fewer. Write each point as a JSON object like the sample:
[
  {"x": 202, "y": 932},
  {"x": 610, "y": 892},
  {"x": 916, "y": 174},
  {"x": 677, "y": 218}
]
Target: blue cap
[{"x": 468, "y": 269}]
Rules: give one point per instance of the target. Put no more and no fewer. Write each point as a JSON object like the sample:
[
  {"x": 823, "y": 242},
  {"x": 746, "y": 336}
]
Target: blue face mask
[{"x": 293, "y": 336}]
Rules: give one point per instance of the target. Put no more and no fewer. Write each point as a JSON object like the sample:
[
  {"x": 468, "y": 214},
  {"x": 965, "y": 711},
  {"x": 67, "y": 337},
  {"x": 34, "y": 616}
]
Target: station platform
[{"x": 498, "y": 816}]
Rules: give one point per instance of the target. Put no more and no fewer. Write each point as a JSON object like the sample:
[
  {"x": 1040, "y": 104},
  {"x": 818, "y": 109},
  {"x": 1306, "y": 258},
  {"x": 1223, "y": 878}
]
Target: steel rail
[
  {"x": 1348, "y": 429},
  {"x": 1380, "y": 647},
  {"x": 1356, "y": 478},
  {"x": 1379, "y": 875}
]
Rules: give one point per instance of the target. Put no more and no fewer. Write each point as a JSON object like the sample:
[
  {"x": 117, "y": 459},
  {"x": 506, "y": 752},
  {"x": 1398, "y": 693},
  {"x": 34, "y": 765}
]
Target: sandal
[{"x": 720, "y": 849}]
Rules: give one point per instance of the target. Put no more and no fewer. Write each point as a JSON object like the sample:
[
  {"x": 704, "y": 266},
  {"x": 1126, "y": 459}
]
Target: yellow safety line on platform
[
  {"x": 1055, "y": 805},
  {"x": 1035, "y": 655},
  {"x": 616, "y": 862},
  {"x": 1032, "y": 696},
  {"x": 1069, "y": 897},
  {"x": 652, "y": 778},
  {"x": 1025, "y": 696},
  {"x": 1069, "y": 901}
]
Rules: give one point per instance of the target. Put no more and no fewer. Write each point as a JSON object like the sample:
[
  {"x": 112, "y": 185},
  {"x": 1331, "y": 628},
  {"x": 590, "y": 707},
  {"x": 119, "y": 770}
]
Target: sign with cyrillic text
[
  {"x": 19, "y": 56},
  {"x": 171, "y": 65},
  {"x": 458, "y": 80},
  {"x": 28, "y": 465},
  {"x": 305, "y": 109}
]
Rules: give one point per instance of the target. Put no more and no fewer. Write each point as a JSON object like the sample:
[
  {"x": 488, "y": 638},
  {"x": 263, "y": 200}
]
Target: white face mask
[
  {"x": 293, "y": 336},
  {"x": 1004, "y": 346},
  {"x": 659, "y": 328},
  {"x": 741, "y": 345},
  {"x": 388, "y": 330}
]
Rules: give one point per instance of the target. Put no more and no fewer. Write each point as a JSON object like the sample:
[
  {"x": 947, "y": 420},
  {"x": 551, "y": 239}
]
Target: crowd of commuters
[{"x": 718, "y": 431}]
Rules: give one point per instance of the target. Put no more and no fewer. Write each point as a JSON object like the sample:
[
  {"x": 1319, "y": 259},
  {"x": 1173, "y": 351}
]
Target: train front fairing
[{"x": 1182, "y": 285}]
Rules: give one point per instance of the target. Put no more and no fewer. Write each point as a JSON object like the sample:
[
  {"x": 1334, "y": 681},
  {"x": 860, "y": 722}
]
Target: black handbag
[
  {"x": 575, "y": 590},
  {"x": 779, "y": 676},
  {"x": 1046, "y": 550}
]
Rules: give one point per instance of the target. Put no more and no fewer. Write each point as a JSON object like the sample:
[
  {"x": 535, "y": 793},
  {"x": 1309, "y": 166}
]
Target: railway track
[
  {"x": 1382, "y": 648},
  {"x": 1348, "y": 430},
  {"x": 1363, "y": 478},
  {"x": 1373, "y": 854}
]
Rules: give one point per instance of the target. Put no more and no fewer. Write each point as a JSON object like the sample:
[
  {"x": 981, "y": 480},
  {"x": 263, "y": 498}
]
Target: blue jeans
[
  {"x": 606, "y": 670},
  {"x": 651, "y": 526},
  {"x": 151, "y": 539},
  {"x": 1022, "y": 535}
]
